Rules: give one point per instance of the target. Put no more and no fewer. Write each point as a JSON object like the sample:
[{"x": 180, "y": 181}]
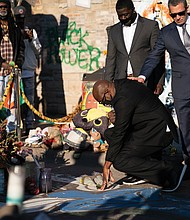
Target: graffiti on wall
[{"x": 75, "y": 50}]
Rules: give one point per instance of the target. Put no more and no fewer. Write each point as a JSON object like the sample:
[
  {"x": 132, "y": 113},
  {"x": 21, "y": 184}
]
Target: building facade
[{"x": 74, "y": 41}]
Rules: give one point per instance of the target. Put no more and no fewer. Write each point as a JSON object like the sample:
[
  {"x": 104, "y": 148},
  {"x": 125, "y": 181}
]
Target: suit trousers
[
  {"x": 182, "y": 107},
  {"x": 143, "y": 161}
]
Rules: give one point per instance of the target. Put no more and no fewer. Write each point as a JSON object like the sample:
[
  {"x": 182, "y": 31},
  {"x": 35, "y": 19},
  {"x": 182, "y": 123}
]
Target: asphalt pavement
[{"x": 75, "y": 194}]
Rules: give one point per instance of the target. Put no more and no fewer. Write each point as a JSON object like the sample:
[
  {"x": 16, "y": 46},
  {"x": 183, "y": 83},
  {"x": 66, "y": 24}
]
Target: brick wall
[
  {"x": 82, "y": 49},
  {"x": 74, "y": 40}
]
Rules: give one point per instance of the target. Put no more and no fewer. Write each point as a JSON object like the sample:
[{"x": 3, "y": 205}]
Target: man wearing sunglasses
[
  {"x": 176, "y": 41},
  {"x": 139, "y": 135}
]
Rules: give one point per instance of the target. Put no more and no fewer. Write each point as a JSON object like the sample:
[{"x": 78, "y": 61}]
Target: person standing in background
[
  {"x": 32, "y": 52},
  {"x": 129, "y": 43},
  {"x": 11, "y": 51}
]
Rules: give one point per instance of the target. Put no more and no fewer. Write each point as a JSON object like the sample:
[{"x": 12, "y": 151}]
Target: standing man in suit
[
  {"x": 171, "y": 39},
  {"x": 139, "y": 132},
  {"x": 129, "y": 43}
]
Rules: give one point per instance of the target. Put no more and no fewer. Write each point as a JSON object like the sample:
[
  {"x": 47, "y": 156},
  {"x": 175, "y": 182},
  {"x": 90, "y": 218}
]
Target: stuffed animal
[
  {"x": 76, "y": 138},
  {"x": 98, "y": 144},
  {"x": 92, "y": 118}
]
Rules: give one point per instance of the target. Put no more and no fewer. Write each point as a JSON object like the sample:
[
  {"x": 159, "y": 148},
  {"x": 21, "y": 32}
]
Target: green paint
[{"x": 77, "y": 51}]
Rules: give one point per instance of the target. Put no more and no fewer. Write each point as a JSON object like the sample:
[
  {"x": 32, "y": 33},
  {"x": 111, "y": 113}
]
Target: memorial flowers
[{"x": 10, "y": 148}]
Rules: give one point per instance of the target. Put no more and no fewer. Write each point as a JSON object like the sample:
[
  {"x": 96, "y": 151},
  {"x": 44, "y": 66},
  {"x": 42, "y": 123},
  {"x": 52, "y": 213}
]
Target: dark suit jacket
[
  {"x": 169, "y": 40},
  {"x": 145, "y": 36},
  {"x": 141, "y": 118}
]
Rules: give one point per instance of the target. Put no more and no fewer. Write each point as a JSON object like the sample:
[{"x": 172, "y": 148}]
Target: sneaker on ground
[{"x": 131, "y": 180}]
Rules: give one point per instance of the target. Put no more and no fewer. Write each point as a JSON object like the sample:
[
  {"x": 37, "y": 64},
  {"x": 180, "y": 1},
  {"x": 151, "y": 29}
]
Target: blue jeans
[{"x": 27, "y": 114}]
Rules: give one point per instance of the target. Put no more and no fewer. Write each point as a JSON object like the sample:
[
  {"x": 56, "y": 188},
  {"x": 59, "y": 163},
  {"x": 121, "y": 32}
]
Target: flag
[{"x": 9, "y": 101}]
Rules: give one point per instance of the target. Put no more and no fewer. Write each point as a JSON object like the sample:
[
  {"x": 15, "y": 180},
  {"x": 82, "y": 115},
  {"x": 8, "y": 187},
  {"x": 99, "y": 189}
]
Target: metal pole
[{"x": 17, "y": 101}]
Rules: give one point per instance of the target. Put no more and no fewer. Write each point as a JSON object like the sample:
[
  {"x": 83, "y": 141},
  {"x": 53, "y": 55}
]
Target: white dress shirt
[
  {"x": 128, "y": 34},
  {"x": 180, "y": 30}
]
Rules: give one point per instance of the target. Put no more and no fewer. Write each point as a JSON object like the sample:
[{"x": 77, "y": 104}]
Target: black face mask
[
  {"x": 130, "y": 20},
  {"x": 107, "y": 102}
]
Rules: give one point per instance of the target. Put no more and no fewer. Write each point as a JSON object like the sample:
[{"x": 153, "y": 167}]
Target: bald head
[
  {"x": 99, "y": 89},
  {"x": 103, "y": 89}
]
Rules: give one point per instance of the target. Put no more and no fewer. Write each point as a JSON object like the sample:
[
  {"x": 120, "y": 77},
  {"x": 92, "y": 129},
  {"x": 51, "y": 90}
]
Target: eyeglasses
[
  {"x": 182, "y": 13},
  {"x": 3, "y": 6}
]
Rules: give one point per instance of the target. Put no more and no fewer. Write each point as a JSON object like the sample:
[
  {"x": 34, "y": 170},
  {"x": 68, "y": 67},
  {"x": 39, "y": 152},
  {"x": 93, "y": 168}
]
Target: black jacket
[{"x": 141, "y": 118}]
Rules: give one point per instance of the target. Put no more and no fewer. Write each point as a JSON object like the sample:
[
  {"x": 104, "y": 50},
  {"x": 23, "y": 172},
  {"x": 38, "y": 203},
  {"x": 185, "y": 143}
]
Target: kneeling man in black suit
[{"x": 142, "y": 129}]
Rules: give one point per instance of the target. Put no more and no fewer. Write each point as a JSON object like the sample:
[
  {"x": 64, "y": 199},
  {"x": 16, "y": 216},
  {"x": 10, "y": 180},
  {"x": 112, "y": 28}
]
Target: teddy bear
[{"x": 98, "y": 144}]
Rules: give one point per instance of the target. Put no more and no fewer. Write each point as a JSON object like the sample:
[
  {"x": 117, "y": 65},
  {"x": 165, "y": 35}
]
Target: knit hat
[{"x": 7, "y": 2}]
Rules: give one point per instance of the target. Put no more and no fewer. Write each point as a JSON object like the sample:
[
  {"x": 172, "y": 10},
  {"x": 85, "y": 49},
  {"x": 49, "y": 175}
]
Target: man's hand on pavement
[{"x": 107, "y": 175}]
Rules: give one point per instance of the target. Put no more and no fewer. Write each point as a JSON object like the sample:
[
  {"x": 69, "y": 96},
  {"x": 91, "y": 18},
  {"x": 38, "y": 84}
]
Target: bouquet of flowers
[{"x": 10, "y": 149}]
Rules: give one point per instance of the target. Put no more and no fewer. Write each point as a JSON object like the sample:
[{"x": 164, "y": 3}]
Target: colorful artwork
[
  {"x": 88, "y": 100},
  {"x": 158, "y": 11}
]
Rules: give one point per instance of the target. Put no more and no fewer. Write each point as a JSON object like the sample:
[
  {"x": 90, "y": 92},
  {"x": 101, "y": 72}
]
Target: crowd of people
[
  {"x": 135, "y": 58},
  {"x": 134, "y": 78}
]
